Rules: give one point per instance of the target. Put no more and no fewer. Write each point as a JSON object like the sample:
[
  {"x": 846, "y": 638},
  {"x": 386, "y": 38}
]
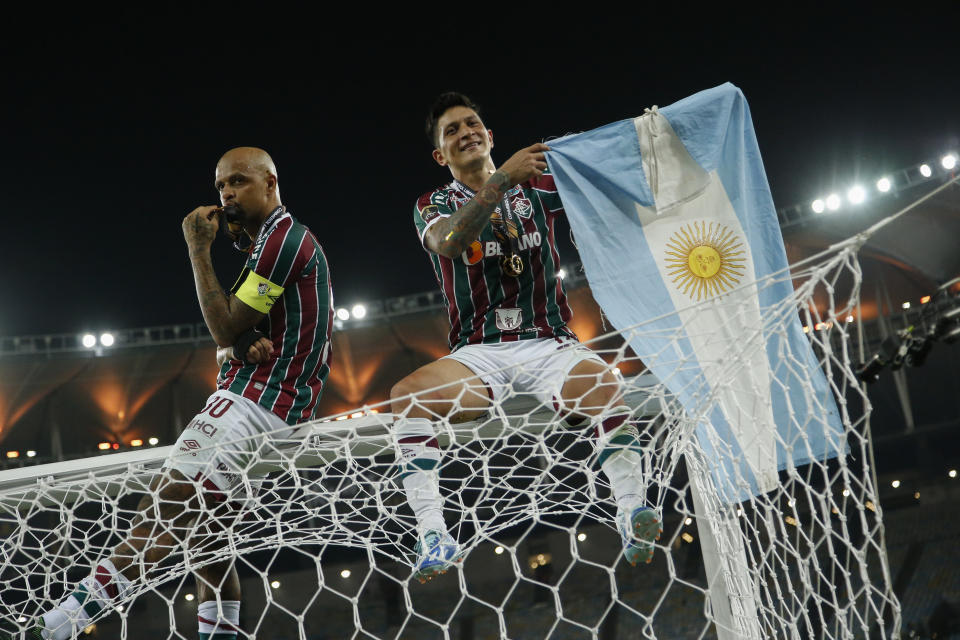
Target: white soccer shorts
[
  {"x": 539, "y": 367},
  {"x": 221, "y": 444}
]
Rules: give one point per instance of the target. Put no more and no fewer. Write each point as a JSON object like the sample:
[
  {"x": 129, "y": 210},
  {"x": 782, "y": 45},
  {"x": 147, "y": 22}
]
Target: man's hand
[
  {"x": 200, "y": 226},
  {"x": 526, "y": 164},
  {"x": 259, "y": 352}
]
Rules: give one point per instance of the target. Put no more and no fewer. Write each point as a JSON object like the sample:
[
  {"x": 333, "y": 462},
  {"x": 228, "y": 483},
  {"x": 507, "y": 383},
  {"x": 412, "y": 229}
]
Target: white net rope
[{"x": 528, "y": 505}]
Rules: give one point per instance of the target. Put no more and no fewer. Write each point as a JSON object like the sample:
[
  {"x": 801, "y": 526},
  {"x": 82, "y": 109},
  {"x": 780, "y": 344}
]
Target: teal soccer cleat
[
  {"x": 436, "y": 553},
  {"x": 639, "y": 530}
]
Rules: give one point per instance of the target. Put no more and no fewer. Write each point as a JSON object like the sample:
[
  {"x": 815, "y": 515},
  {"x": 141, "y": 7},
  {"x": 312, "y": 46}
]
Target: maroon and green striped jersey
[
  {"x": 485, "y": 305},
  {"x": 286, "y": 276}
]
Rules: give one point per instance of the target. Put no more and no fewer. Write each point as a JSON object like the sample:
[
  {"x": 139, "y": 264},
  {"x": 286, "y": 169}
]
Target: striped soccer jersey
[
  {"x": 286, "y": 276},
  {"x": 484, "y": 304}
]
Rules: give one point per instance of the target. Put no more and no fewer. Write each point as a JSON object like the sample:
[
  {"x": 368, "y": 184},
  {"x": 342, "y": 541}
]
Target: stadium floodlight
[
  {"x": 687, "y": 537},
  {"x": 856, "y": 194},
  {"x": 188, "y": 597},
  {"x": 905, "y": 305},
  {"x": 345, "y": 573},
  {"x": 275, "y": 584},
  {"x": 106, "y": 339},
  {"x": 13, "y": 454},
  {"x": 952, "y": 473},
  {"x": 581, "y": 537},
  {"x": 88, "y": 340},
  {"x": 103, "y": 446},
  {"x": 925, "y": 170},
  {"x": 21, "y": 619},
  {"x": 948, "y": 161},
  {"x": 562, "y": 273},
  {"x": 845, "y": 492},
  {"x": 818, "y": 206},
  {"x": 358, "y": 311},
  {"x": 31, "y": 453},
  {"x": 883, "y": 185},
  {"x": 343, "y": 314},
  {"x": 153, "y": 441},
  {"x": 833, "y": 202},
  {"x": 849, "y": 318},
  {"x": 137, "y": 442},
  {"x": 895, "y": 484},
  {"x": 498, "y": 550}
]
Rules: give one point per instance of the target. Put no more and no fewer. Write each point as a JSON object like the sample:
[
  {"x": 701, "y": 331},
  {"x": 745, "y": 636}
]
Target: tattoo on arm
[
  {"x": 465, "y": 225},
  {"x": 214, "y": 302}
]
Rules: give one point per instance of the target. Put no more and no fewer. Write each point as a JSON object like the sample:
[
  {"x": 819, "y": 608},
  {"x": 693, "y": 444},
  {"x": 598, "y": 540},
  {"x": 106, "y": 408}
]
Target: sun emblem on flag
[{"x": 704, "y": 259}]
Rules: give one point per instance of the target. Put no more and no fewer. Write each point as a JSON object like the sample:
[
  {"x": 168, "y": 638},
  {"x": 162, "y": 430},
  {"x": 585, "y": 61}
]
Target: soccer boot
[
  {"x": 436, "y": 552},
  {"x": 639, "y": 529}
]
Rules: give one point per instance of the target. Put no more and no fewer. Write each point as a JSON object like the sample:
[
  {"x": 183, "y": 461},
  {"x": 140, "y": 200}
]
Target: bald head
[
  {"x": 249, "y": 159},
  {"x": 247, "y": 179}
]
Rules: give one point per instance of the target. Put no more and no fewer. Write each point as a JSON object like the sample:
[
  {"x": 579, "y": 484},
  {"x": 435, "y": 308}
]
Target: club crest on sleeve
[
  {"x": 263, "y": 288},
  {"x": 429, "y": 212}
]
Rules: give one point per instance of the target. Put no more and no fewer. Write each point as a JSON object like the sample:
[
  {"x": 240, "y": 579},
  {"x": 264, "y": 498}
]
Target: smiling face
[{"x": 463, "y": 142}]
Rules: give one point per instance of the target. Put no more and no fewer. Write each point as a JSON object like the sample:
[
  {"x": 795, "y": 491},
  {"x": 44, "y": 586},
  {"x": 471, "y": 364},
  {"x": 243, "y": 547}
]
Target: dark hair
[{"x": 443, "y": 102}]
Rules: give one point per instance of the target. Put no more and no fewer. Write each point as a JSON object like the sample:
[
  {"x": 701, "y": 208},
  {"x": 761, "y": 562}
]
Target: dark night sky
[{"x": 113, "y": 123}]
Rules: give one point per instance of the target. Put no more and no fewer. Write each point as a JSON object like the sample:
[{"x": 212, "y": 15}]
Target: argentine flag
[{"x": 677, "y": 230}]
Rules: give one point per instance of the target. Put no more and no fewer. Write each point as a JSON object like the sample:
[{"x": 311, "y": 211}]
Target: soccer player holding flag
[
  {"x": 490, "y": 237},
  {"x": 269, "y": 381}
]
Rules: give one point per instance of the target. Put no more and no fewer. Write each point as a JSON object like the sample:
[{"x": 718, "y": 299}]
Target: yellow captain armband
[{"x": 258, "y": 292}]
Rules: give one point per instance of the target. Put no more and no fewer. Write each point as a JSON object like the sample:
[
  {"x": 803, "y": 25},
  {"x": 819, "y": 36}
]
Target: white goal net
[{"x": 324, "y": 549}]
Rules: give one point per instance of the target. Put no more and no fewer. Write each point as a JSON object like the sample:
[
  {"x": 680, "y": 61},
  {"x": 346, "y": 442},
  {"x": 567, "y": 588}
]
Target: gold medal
[{"x": 512, "y": 265}]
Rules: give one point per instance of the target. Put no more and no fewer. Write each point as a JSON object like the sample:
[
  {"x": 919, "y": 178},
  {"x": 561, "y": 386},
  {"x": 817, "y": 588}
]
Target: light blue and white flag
[{"x": 677, "y": 230}]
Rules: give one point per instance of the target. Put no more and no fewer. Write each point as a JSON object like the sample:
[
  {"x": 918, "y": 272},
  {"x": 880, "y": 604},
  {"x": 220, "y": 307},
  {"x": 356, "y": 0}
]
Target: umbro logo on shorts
[{"x": 192, "y": 444}]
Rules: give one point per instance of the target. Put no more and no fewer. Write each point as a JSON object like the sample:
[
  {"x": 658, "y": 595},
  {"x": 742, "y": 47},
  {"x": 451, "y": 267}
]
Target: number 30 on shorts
[{"x": 217, "y": 407}]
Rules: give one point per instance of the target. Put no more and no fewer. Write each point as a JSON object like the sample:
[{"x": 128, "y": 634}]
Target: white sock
[
  {"x": 93, "y": 594},
  {"x": 618, "y": 441},
  {"x": 215, "y": 625},
  {"x": 418, "y": 455}
]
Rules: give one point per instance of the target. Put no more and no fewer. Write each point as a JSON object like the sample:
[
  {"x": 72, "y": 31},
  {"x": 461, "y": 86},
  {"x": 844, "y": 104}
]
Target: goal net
[{"x": 325, "y": 547}]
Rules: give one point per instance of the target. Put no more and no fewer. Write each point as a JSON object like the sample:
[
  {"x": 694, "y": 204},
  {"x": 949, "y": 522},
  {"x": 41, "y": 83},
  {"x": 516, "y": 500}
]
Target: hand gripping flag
[{"x": 678, "y": 233}]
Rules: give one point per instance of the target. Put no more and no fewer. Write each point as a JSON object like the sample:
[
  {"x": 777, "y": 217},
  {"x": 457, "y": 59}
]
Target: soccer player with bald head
[{"x": 272, "y": 330}]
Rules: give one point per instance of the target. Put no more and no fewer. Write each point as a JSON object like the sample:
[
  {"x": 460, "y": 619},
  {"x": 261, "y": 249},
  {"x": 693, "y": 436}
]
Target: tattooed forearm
[
  {"x": 455, "y": 233},
  {"x": 214, "y": 303}
]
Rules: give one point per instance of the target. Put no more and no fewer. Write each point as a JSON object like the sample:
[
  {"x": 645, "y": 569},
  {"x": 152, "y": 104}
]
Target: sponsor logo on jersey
[
  {"x": 509, "y": 318},
  {"x": 491, "y": 249},
  {"x": 203, "y": 427}
]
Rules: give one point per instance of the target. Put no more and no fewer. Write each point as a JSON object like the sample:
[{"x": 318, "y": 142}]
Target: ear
[
  {"x": 271, "y": 183},
  {"x": 490, "y": 137},
  {"x": 438, "y": 158}
]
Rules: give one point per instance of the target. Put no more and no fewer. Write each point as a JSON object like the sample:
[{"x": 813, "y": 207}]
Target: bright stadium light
[
  {"x": 275, "y": 584},
  {"x": 498, "y": 550},
  {"x": 856, "y": 194},
  {"x": 562, "y": 273},
  {"x": 883, "y": 185},
  {"x": 358, "y": 311},
  {"x": 343, "y": 314},
  {"x": 833, "y": 202},
  {"x": 89, "y": 340},
  {"x": 895, "y": 484},
  {"x": 31, "y": 453},
  {"x": 925, "y": 170},
  {"x": 581, "y": 537},
  {"x": 153, "y": 441},
  {"x": 688, "y": 521},
  {"x": 103, "y": 446},
  {"x": 188, "y": 597},
  {"x": 345, "y": 573},
  {"x": 818, "y": 206},
  {"x": 952, "y": 473},
  {"x": 106, "y": 339},
  {"x": 948, "y": 161},
  {"x": 137, "y": 442},
  {"x": 905, "y": 305},
  {"x": 13, "y": 454}
]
